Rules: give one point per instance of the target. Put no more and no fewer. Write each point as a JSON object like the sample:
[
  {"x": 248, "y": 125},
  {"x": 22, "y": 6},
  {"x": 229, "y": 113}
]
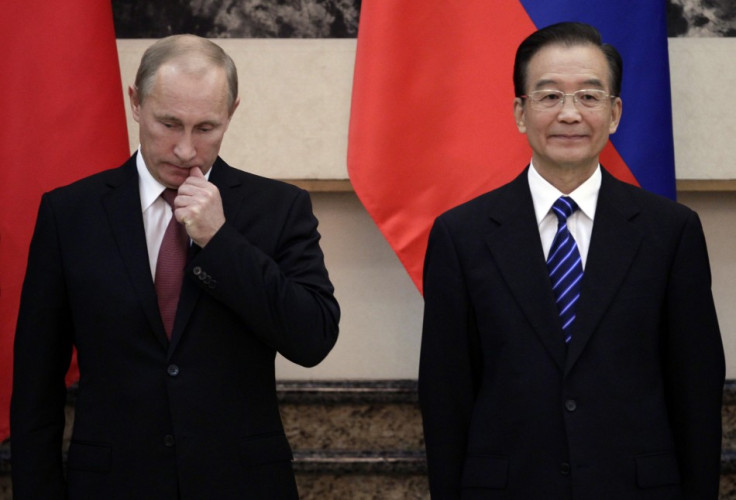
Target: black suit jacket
[
  {"x": 197, "y": 414},
  {"x": 631, "y": 409}
]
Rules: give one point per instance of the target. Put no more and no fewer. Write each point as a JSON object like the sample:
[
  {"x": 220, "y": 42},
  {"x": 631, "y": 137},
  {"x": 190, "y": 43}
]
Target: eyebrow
[
  {"x": 173, "y": 119},
  {"x": 591, "y": 81},
  {"x": 168, "y": 118}
]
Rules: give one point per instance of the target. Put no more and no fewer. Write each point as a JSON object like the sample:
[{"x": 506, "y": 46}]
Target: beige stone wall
[{"x": 703, "y": 76}]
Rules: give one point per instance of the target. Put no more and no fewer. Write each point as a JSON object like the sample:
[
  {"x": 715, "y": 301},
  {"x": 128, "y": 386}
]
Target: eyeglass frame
[{"x": 564, "y": 95}]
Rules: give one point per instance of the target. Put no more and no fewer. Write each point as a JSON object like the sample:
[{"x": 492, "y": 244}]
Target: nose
[
  {"x": 569, "y": 110},
  {"x": 184, "y": 148}
]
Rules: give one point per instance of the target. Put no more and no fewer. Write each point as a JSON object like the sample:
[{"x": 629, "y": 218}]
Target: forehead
[
  {"x": 184, "y": 89},
  {"x": 568, "y": 65}
]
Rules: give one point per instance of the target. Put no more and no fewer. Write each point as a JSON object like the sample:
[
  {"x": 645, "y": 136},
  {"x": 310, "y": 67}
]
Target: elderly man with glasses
[{"x": 570, "y": 346}]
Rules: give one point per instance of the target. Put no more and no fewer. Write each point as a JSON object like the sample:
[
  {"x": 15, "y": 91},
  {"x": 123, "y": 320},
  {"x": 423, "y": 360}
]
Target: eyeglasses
[{"x": 592, "y": 99}]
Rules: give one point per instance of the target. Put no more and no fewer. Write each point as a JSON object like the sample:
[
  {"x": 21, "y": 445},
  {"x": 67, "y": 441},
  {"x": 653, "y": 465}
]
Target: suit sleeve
[
  {"x": 284, "y": 297},
  {"x": 694, "y": 364},
  {"x": 42, "y": 352},
  {"x": 449, "y": 364}
]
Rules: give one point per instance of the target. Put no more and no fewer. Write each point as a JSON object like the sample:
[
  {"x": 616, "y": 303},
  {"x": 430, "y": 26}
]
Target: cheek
[
  {"x": 162, "y": 137},
  {"x": 601, "y": 125},
  {"x": 535, "y": 129},
  {"x": 152, "y": 130},
  {"x": 210, "y": 144}
]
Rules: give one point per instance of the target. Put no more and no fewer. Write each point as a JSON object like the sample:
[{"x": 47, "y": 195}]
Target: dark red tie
[{"x": 172, "y": 258}]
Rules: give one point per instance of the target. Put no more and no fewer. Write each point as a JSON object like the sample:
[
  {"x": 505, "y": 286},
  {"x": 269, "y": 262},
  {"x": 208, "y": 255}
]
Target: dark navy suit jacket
[{"x": 631, "y": 409}]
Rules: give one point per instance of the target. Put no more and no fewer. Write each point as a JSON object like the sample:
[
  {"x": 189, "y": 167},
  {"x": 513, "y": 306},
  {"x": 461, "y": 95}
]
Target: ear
[
  {"x": 231, "y": 113},
  {"x": 135, "y": 103},
  {"x": 235, "y": 106},
  {"x": 616, "y": 109},
  {"x": 520, "y": 114}
]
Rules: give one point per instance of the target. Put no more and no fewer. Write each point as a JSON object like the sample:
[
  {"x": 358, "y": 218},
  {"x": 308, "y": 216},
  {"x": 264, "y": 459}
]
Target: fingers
[
  {"x": 199, "y": 207},
  {"x": 196, "y": 172},
  {"x": 196, "y": 179}
]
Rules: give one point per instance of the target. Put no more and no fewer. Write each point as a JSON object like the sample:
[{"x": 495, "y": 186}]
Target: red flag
[
  {"x": 65, "y": 119},
  {"x": 431, "y": 123},
  {"x": 431, "y": 115}
]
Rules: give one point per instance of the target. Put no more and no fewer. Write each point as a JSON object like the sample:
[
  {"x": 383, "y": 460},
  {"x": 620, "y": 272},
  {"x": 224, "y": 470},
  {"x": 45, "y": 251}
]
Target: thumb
[{"x": 196, "y": 172}]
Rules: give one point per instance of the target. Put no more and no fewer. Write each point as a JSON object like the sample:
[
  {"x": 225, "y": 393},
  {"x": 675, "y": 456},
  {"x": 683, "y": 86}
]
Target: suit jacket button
[
  {"x": 565, "y": 469},
  {"x": 197, "y": 270},
  {"x": 571, "y": 405},
  {"x": 169, "y": 440},
  {"x": 172, "y": 370}
]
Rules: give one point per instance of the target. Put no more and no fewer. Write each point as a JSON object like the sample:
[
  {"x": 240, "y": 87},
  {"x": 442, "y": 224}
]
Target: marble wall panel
[{"x": 337, "y": 18}]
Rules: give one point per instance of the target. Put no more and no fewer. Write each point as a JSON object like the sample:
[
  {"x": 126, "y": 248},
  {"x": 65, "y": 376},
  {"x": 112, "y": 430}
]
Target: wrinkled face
[
  {"x": 568, "y": 136},
  {"x": 182, "y": 121}
]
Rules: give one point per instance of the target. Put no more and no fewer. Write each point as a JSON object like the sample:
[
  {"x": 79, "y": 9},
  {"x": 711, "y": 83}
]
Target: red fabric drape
[{"x": 64, "y": 118}]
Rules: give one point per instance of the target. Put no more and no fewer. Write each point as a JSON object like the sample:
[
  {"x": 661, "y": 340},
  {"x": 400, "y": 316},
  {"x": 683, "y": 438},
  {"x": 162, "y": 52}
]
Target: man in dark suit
[
  {"x": 179, "y": 406},
  {"x": 591, "y": 372}
]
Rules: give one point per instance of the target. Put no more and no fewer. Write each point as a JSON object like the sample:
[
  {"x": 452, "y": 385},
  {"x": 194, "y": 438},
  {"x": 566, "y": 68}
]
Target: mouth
[
  {"x": 174, "y": 166},
  {"x": 568, "y": 137}
]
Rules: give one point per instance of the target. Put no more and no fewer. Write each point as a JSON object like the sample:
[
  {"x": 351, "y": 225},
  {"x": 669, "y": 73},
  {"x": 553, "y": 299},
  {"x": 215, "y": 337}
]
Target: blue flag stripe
[{"x": 638, "y": 29}]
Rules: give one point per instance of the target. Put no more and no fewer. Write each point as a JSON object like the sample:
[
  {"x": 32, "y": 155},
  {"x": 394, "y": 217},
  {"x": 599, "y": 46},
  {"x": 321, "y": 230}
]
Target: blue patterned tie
[{"x": 564, "y": 265}]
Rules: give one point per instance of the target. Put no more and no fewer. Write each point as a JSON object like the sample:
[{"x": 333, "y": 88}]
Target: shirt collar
[
  {"x": 545, "y": 194},
  {"x": 150, "y": 189}
]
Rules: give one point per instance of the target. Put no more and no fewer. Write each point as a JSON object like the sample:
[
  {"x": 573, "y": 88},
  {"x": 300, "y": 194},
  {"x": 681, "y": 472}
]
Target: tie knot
[
  {"x": 564, "y": 207},
  {"x": 168, "y": 195}
]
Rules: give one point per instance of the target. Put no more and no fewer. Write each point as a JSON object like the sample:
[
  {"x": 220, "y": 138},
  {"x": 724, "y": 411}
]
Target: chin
[
  {"x": 570, "y": 158},
  {"x": 173, "y": 177},
  {"x": 172, "y": 182}
]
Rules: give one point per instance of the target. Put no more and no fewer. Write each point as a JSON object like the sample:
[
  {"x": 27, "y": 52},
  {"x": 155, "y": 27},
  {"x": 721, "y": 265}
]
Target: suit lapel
[
  {"x": 613, "y": 246},
  {"x": 222, "y": 177},
  {"x": 123, "y": 207},
  {"x": 514, "y": 242}
]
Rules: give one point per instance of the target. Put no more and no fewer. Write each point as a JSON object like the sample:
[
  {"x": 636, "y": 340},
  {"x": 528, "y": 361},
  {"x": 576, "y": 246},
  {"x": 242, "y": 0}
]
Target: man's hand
[{"x": 199, "y": 207}]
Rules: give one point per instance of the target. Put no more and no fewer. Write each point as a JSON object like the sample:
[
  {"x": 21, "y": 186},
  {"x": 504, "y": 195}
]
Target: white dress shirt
[
  {"x": 580, "y": 223},
  {"x": 156, "y": 212}
]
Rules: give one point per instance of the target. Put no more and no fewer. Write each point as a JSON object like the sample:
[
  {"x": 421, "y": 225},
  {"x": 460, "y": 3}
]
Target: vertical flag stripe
[{"x": 431, "y": 114}]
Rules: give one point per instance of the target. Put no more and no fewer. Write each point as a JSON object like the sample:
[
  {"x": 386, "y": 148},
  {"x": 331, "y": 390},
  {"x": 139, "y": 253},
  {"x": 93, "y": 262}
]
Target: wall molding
[{"x": 345, "y": 186}]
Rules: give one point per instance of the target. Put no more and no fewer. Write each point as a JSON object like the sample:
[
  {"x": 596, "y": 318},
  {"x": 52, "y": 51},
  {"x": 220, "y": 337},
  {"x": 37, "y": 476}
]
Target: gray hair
[{"x": 179, "y": 46}]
